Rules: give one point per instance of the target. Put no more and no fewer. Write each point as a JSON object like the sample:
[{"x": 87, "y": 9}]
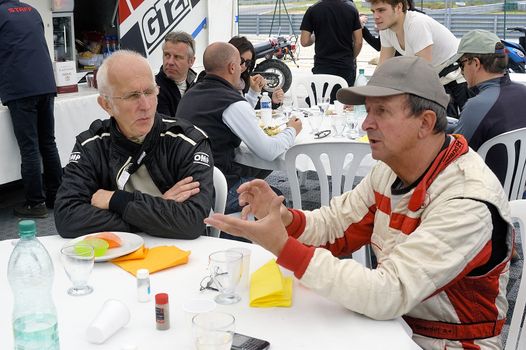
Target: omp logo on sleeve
[
  {"x": 202, "y": 158},
  {"x": 74, "y": 157},
  {"x": 159, "y": 18}
]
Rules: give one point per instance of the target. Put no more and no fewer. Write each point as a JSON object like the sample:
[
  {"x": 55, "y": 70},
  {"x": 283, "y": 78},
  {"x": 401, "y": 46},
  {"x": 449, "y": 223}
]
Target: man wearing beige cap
[
  {"x": 435, "y": 216},
  {"x": 494, "y": 109}
]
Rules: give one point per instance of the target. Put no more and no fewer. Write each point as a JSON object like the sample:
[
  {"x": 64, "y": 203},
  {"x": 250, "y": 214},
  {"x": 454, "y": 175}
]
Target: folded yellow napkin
[
  {"x": 155, "y": 259},
  {"x": 364, "y": 138},
  {"x": 138, "y": 254},
  {"x": 269, "y": 288}
]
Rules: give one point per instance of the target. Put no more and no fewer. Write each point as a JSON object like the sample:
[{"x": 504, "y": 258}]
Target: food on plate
[
  {"x": 275, "y": 113},
  {"x": 100, "y": 246},
  {"x": 272, "y": 130},
  {"x": 113, "y": 240}
]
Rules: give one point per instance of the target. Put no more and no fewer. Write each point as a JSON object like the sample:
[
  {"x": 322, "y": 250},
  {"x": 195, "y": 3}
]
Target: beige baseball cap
[
  {"x": 396, "y": 76},
  {"x": 476, "y": 41}
]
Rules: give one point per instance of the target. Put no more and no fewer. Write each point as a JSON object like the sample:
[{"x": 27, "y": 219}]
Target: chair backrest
[
  {"x": 517, "y": 332},
  {"x": 319, "y": 81},
  {"x": 516, "y": 169},
  {"x": 221, "y": 190},
  {"x": 337, "y": 153}
]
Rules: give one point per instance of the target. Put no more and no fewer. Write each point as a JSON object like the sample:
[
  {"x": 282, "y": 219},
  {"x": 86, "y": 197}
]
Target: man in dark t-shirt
[{"x": 334, "y": 27}]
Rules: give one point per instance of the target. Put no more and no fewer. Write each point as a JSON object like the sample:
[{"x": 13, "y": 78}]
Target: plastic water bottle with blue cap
[{"x": 30, "y": 273}]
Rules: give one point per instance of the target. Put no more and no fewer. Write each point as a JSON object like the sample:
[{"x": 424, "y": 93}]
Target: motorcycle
[
  {"x": 273, "y": 68},
  {"x": 516, "y": 52}
]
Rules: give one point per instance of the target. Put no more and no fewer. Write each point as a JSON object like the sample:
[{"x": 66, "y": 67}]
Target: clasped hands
[
  {"x": 179, "y": 192},
  {"x": 257, "y": 83},
  {"x": 261, "y": 201}
]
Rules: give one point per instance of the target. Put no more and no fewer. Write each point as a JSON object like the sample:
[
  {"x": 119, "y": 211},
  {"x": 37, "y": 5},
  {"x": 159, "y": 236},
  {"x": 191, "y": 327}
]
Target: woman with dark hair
[{"x": 251, "y": 86}]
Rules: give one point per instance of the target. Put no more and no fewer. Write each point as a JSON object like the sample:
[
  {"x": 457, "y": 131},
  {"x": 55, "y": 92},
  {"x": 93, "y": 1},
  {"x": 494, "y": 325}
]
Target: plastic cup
[
  {"x": 113, "y": 315},
  {"x": 213, "y": 330},
  {"x": 245, "y": 268},
  {"x": 194, "y": 307}
]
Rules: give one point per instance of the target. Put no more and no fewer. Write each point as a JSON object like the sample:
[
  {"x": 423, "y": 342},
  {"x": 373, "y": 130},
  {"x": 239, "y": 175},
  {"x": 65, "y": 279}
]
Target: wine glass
[
  {"x": 286, "y": 106},
  {"x": 352, "y": 125},
  {"x": 225, "y": 269},
  {"x": 323, "y": 104},
  {"x": 78, "y": 260},
  {"x": 213, "y": 330},
  {"x": 338, "y": 123},
  {"x": 315, "y": 121}
]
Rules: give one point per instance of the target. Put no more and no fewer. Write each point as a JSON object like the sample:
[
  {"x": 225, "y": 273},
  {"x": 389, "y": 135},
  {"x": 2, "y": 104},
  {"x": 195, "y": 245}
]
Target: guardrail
[{"x": 458, "y": 23}]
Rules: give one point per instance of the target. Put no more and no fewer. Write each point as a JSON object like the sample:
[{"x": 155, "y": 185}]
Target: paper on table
[
  {"x": 268, "y": 287},
  {"x": 156, "y": 259}
]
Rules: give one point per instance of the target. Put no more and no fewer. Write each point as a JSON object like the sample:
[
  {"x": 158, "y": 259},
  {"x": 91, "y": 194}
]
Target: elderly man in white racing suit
[{"x": 435, "y": 215}]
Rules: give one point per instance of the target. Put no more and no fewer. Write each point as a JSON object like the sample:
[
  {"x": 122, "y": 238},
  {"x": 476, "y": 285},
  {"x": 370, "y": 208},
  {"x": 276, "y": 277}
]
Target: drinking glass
[
  {"x": 323, "y": 104},
  {"x": 352, "y": 125},
  {"x": 286, "y": 106},
  {"x": 225, "y": 269},
  {"x": 213, "y": 330},
  {"x": 78, "y": 260},
  {"x": 315, "y": 121},
  {"x": 338, "y": 124}
]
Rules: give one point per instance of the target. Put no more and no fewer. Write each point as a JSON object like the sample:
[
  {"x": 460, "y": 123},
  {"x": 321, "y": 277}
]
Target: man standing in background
[
  {"x": 334, "y": 27},
  {"x": 27, "y": 88},
  {"x": 175, "y": 76}
]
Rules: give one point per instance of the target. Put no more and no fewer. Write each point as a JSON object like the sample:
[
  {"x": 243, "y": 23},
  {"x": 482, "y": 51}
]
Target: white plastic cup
[
  {"x": 194, "y": 307},
  {"x": 113, "y": 315},
  {"x": 245, "y": 268}
]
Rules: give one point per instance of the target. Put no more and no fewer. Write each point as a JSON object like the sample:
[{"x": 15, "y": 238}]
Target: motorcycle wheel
[
  {"x": 277, "y": 67},
  {"x": 516, "y": 67}
]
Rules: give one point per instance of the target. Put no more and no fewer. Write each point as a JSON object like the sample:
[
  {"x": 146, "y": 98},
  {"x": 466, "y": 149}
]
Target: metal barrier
[{"x": 459, "y": 23}]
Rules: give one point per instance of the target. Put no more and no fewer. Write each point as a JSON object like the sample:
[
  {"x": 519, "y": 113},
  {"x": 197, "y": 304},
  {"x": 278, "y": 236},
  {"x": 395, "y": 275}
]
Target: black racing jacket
[{"x": 173, "y": 150}]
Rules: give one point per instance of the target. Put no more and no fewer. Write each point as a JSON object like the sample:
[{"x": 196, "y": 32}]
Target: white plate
[{"x": 130, "y": 243}]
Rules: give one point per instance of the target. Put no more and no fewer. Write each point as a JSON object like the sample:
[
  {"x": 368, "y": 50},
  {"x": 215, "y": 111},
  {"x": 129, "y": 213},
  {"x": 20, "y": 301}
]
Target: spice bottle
[
  {"x": 162, "y": 312},
  {"x": 143, "y": 285}
]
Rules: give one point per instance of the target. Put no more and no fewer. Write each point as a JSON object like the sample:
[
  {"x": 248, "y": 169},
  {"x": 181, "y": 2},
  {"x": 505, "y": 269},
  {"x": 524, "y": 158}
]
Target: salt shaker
[
  {"x": 143, "y": 285},
  {"x": 162, "y": 312}
]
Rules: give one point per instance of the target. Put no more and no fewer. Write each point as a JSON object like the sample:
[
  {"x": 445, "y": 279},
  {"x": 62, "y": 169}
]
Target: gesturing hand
[
  {"x": 269, "y": 232},
  {"x": 182, "y": 190}
]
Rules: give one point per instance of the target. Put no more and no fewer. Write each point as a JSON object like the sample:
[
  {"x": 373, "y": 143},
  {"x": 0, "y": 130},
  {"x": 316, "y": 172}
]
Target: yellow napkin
[
  {"x": 156, "y": 259},
  {"x": 138, "y": 254},
  {"x": 269, "y": 288},
  {"x": 364, "y": 138}
]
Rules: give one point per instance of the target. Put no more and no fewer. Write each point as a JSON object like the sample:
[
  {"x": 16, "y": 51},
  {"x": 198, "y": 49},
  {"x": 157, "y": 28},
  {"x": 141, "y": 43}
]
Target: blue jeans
[{"x": 34, "y": 127}]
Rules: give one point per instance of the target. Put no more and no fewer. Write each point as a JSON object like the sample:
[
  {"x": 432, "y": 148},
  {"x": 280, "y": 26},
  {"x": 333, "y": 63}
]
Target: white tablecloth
[
  {"x": 73, "y": 114},
  {"x": 312, "y": 322},
  {"x": 303, "y": 163}
]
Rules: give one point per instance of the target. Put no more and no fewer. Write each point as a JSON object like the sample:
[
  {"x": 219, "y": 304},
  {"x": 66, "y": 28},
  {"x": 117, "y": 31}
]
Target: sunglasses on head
[{"x": 245, "y": 62}]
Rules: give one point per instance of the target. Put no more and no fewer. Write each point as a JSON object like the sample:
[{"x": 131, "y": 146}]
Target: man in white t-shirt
[{"x": 416, "y": 34}]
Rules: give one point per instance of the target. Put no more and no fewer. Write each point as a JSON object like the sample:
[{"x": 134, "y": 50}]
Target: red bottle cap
[{"x": 161, "y": 298}]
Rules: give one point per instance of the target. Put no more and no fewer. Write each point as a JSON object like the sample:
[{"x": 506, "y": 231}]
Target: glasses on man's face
[
  {"x": 463, "y": 62},
  {"x": 135, "y": 96},
  {"x": 245, "y": 62}
]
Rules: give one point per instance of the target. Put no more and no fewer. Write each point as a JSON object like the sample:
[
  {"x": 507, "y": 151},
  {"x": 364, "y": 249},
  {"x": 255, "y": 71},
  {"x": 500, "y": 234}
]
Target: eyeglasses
[
  {"x": 135, "y": 96},
  {"x": 321, "y": 134},
  {"x": 207, "y": 283},
  {"x": 461, "y": 63},
  {"x": 245, "y": 62}
]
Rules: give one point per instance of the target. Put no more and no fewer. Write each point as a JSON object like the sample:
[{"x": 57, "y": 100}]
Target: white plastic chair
[
  {"x": 221, "y": 190},
  {"x": 337, "y": 153},
  {"x": 517, "y": 333},
  {"x": 516, "y": 171},
  {"x": 319, "y": 81}
]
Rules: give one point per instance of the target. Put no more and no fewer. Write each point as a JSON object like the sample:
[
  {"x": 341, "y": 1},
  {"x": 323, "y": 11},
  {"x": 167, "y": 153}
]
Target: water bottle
[
  {"x": 266, "y": 109},
  {"x": 30, "y": 274},
  {"x": 106, "y": 49},
  {"x": 359, "y": 110}
]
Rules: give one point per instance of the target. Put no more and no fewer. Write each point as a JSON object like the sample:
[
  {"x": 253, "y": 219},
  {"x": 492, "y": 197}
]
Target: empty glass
[
  {"x": 338, "y": 124},
  {"x": 352, "y": 125},
  {"x": 286, "y": 106},
  {"x": 323, "y": 104},
  {"x": 225, "y": 268},
  {"x": 78, "y": 260},
  {"x": 315, "y": 121},
  {"x": 213, "y": 330}
]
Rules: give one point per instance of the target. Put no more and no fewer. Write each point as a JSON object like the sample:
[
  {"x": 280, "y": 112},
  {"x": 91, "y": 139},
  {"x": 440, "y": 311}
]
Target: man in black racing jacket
[{"x": 135, "y": 171}]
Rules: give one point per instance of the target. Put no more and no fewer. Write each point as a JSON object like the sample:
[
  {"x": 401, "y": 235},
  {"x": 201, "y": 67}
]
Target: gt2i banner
[{"x": 144, "y": 23}]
